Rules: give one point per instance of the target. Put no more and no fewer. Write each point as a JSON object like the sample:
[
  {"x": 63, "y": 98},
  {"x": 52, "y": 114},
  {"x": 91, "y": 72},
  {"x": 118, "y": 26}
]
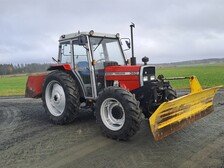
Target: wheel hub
[
  {"x": 117, "y": 112},
  {"x": 112, "y": 114},
  {"x": 55, "y": 98}
]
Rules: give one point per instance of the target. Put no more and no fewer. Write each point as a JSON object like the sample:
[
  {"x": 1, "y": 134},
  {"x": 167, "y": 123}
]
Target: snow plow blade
[{"x": 176, "y": 114}]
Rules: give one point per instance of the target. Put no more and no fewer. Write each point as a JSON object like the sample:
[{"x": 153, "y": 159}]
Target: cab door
[
  {"x": 70, "y": 52},
  {"x": 82, "y": 66}
]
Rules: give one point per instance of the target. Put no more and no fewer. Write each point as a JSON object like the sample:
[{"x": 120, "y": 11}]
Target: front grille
[{"x": 147, "y": 71}]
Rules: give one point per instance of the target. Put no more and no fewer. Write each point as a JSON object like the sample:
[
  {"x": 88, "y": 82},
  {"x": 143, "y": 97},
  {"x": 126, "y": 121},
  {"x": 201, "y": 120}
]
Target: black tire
[
  {"x": 171, "y": 94},
  {"x": 72, "y": 98},
  {"x": 148, "y": 111},
  {"x": 130, "y": 107}
]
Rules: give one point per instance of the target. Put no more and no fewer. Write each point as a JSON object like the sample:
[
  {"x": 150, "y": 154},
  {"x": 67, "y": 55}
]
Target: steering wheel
[{"x": 100, "y": 60}]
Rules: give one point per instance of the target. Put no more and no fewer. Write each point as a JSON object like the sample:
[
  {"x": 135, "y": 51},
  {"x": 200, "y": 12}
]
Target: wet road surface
[{"x": 28, "y": 139}]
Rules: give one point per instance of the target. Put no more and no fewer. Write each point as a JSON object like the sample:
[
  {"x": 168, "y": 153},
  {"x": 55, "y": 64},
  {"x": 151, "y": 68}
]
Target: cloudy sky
[{"x": 166, "y": 30}]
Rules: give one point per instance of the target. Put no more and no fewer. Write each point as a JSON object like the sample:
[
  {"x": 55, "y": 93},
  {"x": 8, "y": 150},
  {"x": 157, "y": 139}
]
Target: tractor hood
[
  {"x": 122, "y": 71},
  {"x": 129, "y": 77}
]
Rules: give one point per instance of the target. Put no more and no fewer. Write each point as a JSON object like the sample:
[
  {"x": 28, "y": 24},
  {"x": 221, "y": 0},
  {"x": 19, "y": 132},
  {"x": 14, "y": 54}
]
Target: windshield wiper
[{"x": 99, "y": 43}]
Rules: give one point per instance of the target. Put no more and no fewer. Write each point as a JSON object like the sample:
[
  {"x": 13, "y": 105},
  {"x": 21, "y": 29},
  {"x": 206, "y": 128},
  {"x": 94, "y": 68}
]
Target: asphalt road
[{"x": 28, "y": 139}]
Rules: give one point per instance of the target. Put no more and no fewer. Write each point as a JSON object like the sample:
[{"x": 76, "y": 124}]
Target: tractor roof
[{"x": 94, "y": 34}]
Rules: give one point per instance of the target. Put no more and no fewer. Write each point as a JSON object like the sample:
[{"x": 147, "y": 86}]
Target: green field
[
  {"x": 12, "y": 85},
  {"x": 208, "y": 75}
]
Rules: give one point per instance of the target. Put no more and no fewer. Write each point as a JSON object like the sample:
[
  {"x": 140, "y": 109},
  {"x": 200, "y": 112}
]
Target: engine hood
[
  {"x": 127, "y": 76},
  {"x": 122, "y": 70}
]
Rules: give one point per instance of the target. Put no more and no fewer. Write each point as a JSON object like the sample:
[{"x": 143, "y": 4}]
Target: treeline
[{"x": 8, "y": 69}]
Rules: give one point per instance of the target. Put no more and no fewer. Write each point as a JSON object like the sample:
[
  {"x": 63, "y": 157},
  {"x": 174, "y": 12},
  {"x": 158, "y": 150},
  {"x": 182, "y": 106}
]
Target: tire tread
[{"x": 72, "y": 98}]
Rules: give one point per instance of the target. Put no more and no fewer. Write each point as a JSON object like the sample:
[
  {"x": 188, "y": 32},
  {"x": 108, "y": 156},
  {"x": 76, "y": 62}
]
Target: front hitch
[{"x": 176, "y": 114}]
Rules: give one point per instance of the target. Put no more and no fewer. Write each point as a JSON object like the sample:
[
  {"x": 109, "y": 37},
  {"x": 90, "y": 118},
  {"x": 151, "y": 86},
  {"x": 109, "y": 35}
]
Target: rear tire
[
  {"x": 60, "y": 97},
  {"x": 117, "y": 113}
]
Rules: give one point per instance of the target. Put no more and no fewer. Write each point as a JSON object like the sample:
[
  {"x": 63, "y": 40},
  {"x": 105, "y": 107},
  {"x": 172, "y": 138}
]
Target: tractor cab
[{"x": 88, "y": 54}]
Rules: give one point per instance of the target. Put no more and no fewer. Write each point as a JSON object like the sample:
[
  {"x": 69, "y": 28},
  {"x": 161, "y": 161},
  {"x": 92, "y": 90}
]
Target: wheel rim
[
  {"x": 55, "y": 98},
  {"x": 112, "y": 114}
]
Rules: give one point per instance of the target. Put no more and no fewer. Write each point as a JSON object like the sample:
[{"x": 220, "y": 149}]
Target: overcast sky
[{"x": 166, "y": 30}]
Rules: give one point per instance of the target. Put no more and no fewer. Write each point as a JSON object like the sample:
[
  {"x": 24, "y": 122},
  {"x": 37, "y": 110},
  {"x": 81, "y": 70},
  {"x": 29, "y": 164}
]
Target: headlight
[
  {"x": 145, "y": 78},
  {"x": 152, "y": 77}
]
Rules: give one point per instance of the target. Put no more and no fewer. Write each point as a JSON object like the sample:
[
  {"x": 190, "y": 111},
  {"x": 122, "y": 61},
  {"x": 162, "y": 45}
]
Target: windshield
[{"x": 106, "y": 49}]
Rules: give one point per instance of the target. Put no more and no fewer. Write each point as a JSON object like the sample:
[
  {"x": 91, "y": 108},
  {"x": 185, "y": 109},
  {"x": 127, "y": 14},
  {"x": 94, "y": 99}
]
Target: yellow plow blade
[{"x": 176, "y": 114}]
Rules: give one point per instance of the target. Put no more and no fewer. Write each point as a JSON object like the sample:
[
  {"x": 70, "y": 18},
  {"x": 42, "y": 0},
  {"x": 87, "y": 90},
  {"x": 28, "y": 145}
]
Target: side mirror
[
  {"x": 127, "y": 42},
  {"x": 82, "y": 40}
]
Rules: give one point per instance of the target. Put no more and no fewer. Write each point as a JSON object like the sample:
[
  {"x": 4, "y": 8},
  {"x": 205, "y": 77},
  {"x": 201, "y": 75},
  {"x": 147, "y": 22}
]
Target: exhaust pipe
[{"x": 133, "y": 58}]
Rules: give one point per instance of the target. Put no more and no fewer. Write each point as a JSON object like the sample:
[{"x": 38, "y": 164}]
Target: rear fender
[
  {"x": 65, "y": 67},
  {"x": 74, "y": 74},
  {"x": 35, "y": 81}
]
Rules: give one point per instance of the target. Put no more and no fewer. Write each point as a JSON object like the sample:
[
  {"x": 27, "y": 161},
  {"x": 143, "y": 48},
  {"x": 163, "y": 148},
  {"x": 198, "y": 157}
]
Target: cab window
[{"x": 66, "y": 53}]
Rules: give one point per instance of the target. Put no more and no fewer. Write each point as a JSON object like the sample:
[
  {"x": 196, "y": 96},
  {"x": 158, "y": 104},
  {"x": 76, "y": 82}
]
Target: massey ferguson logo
[{"x": 121, "y": 73}]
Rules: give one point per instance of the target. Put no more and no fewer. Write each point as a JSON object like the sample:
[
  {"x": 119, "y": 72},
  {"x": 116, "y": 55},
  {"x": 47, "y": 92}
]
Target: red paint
[
  {"x": 66, "y": 67},
  {"x": 128, "y": 78},
  {"x": 129, "y": 82},
  {"x": 129, "y": 85},
  {"x": 34, "y": 85},
  {"x": 125, "y": 68}
]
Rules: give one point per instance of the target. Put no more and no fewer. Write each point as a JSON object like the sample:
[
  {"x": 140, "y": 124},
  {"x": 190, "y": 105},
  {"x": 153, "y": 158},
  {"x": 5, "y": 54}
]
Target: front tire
[
  {"x": 171, "y": 94},
  {"x": 117, "y": 113},
  {"x": 60, "y": 97}
]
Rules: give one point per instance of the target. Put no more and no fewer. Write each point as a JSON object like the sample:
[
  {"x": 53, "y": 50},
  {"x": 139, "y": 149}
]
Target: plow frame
[{"x": 176, "y": 114}]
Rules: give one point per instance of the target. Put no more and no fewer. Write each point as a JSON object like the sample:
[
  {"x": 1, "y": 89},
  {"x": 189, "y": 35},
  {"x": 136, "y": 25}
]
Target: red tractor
[{"x": 92, "y": 72}]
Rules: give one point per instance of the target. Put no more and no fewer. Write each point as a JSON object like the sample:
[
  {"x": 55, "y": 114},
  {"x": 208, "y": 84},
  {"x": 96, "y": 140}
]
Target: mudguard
[{"x": 35, "y": 81}]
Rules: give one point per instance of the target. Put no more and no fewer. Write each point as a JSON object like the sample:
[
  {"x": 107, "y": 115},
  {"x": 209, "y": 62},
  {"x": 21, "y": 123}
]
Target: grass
[
  {"x": 208, "y": 75},
  {"x": 12, "y": 85}
]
